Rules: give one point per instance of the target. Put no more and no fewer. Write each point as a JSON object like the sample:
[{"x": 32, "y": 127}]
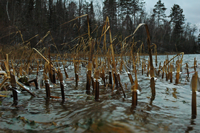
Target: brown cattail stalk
[
  {"x": 76, "y": 69},
  {"x": 54, "y": 77},
  {"x": 76, "y": 77},
  {"x": 134, "y": 98},
  {"x": 110, "y": 78},
  {"x": 96, "y": 84},
  {"x": 194, "y": 86},
  {"x": 177, "y": 73},
  {"x": 170, "y": 72},
  {"x": 35, "y": 82},
  {"x": 47, "y": 87},
  {"x": 102, "y": 75},
  {"x": 195, "y": 64},
  {"x": 131, "y": 78},
  {"x": 148, "y": 65},
  {"x": 66, "y": 75},
  {"x": 89, "y": 72},
  {"x": 120, "y": 85},
  {"x": 116, "y": 80},
  {"x": 134, "y": 92},
  {"x": 194, "y": 105},
  {"x": 61, "y": 85},
  {"x": 166, "y": 74},
  {"x": 14, "y": 85}
]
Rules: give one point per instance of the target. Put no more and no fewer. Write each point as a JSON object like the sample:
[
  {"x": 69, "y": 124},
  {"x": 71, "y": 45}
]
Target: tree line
[{"x": 28, "y": 22}]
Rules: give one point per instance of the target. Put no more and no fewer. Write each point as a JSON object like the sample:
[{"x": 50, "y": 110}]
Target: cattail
[
  {"x": 194, "y": 85},
  {"x": 96, "y": 85},
  {"x": 163, "y": 70},
  {"x": 14, "y": 85},
  {"x": 131, "y": 78},
  {"x": 66, "y": 75},
  {"x": 102, "y": 75},
  {"x": 148, "y": 67},
  {"x": 89, "y": 70},
  {"x": 134, "y": 91},
  {"x": 170, "y": 72},
  {"x": 47, "y": 88},
  {"x": 177, "y": 73},
  {"x": 61, "y": 85},
  {"x": 195, "y": 64},
  {"x": 110, "y": 77},
  {"x": 53, "y": 77},
  {"x": 188, "y": 74}
]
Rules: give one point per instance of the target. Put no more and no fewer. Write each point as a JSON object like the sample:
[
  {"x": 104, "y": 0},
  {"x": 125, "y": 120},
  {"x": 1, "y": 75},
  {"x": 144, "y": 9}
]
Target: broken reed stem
[
  {"x": 96, "y": 87},
  {"x": 120, "y": 85},
  {"x": 116, "y": 80},
  {"x": 76, "y": 65},
  {"x": 61, "y": 85},
  {"x": 35, "y": 82},
  {"x": 134, "y": 98},
  {"x": 96, "y": 84},
  {"x": 66, "y": 75},
  {"x": 131, "y": 78},
  {"x": 194, "y": 86},
  {"x": 110, "y": 78},
  {"x": 76, "y": 77},
  {"x": 153, "y": 91},
  {"x": 182, "y": 53},
  {"x": 170, "y": 76},
  {"x": 194, "y": 105},
  {"x": 15, "y": 97},
  {"x": 89, "y": 73},
  {"x": 167, "y": 76},
  {"x": 25, "y": 88},
  {"x": 14, "y": 85},
  {"x": 93, "y": 86},
  {"x": 47, "y": 89},
  {"x": 102, "y": 75},
  {"x": 188, "y": 74},
  {"x": 195, "y": 64},
  {"x": 152, "y": 82},
  {"x": 54, "y": 77},
  {"x": 170, "y": 72},
  {"x": 44, "y": 58},
  {"x": 177, "y": 73}
]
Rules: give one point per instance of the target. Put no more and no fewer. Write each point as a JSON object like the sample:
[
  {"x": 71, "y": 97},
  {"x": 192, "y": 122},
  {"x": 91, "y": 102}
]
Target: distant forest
[{"x": 26, "y": 22}]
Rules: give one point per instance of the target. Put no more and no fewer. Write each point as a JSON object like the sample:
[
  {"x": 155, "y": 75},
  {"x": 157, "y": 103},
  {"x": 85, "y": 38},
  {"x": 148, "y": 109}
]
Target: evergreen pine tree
[
  {"x": 177, "y": 20},
  {"x": 110, "y": 10},
  {"x": 159, "y": 11}
]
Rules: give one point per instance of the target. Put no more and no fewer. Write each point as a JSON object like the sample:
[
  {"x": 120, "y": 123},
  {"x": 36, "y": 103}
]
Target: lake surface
[{"x": 169, "y": 112}]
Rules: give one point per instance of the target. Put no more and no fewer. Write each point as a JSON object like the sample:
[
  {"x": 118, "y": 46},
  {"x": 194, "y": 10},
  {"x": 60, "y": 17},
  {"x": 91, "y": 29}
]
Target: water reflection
[
  {"x": 82, "y": 114},
  {"x": 47, "y": 106},
  {"x": 190, "y": 127},
  {"x": 174, "y": 93}
]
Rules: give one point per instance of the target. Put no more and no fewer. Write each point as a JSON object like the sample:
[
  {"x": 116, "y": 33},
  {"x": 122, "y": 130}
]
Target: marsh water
[{"x": 169, "y": 112}]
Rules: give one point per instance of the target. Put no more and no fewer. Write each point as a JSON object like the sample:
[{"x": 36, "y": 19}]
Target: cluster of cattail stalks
[{"x": 102, "y": 64}]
